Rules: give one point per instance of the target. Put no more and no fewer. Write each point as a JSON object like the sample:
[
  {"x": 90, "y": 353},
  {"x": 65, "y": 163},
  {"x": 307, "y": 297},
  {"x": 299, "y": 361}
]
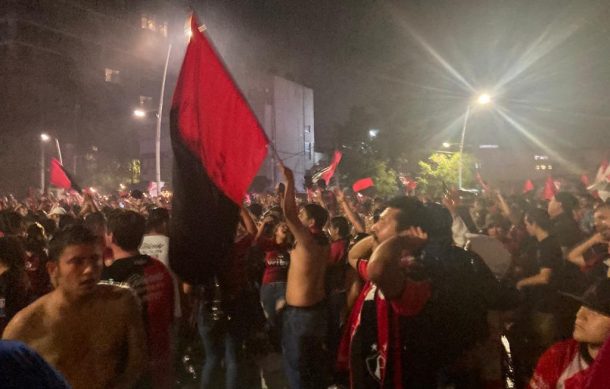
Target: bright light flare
[
  {"x": 484, "y": 99},
  {"x": 139, "y": 113},
  {"x": 446, "y": 145},
  {"x": 45, "y": 137},
  {"x": 92, "y": 190}
]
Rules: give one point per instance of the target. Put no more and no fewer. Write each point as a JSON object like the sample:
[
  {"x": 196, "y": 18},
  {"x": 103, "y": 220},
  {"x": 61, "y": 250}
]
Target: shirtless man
[
  {"x": 93, "y": 334},
  {"x": 304, "y": 318}
]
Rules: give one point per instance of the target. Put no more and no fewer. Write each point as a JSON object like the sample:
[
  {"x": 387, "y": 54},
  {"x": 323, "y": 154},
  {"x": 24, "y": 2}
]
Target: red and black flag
[
  {"x": 218, "y": 148},
  {"x": 60, "y": 177},
  {"x": 328, "y": 172}
]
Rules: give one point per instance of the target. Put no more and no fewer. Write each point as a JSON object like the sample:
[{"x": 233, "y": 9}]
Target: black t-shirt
[
  {"x": 566, "y": 230},
  {"x": 549, "y": 256}
]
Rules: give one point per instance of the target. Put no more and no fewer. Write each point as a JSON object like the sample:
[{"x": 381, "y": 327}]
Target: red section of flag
[
  {"x": 528, "y": 186},
  {"x": 363, "y": 184},
  {"x": 585, "y": 180},
  {"x": 58, "y": 176},
  {"x": 549, "y": 189},
  {"x": 215, "y": 121}
]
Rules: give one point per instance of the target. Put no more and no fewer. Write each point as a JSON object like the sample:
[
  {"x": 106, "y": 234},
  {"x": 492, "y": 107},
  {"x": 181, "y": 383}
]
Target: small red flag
[
  {"x": 328, "y": 172},
  {"x": 585, "y": 180},
  {"x": 549, "y": 189},
  {"x": 363, "y": 184},
  {"x": 528, "y": 186}
]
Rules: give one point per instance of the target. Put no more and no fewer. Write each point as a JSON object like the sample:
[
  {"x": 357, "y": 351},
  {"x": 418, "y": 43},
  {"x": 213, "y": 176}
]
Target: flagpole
[
  {"x": 61, "y": 161},
  {"x": 159, "y": 118}
]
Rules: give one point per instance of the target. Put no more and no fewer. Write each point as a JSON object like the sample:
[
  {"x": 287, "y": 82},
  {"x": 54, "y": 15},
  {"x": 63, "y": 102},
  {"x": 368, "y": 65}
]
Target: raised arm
[
  {"x": 361, "y": 250},
  {"x": 248, "y": 222},
  {"x": 291, "y": 213},
  {"x": 349, "y": 212},
  {"x": 577, "y": 254},
  {"x": 384, "y": 268}
]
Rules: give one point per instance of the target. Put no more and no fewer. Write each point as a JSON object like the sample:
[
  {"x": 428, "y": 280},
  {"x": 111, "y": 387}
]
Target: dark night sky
[{"x": 417, "y": 63}]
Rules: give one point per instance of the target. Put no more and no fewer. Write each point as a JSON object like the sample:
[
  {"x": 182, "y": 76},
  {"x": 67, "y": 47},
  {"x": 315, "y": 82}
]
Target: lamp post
[
  {"x": 140, "y": 113},
  {"x": 483, "y": 99},
  {"x": 44, "y": 138}
]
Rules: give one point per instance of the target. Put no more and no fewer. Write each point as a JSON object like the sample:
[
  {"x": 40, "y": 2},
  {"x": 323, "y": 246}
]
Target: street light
[
  {"x": 140, "y": 113},
  {"x": 446, "y": 145},
  {"x": 44, "y": 138},
  {"x": 482, "y": 99}
]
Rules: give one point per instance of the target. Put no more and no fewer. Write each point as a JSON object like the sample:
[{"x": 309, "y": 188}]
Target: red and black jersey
[{"x": 153, "y": 284}]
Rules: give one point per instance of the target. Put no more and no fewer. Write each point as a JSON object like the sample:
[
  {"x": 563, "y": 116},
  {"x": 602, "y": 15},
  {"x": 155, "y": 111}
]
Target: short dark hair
[
  {"x": 412, "y": 212},
  {"x": 567, "y": 200},
  {"x": 12, "y": 253},
  {"x": 157, "y": 217},
  {"x": 76, "y": 234},
  {"x": 95, "y": 220},
  {"x": 540, "y": 217},
  {"x": 340, "y": 223},
  {"x": 317, "y": 213},
  {"x": 127, "y": 229}
]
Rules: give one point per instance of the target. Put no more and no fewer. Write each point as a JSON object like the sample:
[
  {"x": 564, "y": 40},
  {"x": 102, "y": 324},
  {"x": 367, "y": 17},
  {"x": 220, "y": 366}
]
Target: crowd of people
[{"x": 321, "y": 289}]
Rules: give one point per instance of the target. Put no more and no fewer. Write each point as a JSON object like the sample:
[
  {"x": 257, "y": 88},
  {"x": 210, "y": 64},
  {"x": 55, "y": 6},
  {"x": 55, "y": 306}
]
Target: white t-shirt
[{"x": 157, "y": 246}]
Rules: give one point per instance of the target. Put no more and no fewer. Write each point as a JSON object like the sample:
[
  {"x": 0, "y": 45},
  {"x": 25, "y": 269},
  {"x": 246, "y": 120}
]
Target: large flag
[
  {"x": 218, "y": 148},
  {"x": 327, "y": 173},
  {"x": 60, "y": 177}
]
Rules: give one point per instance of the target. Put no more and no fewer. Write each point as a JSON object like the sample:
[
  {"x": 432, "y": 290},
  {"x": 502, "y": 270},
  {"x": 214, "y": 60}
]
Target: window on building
[
  {"x": 148, "y": 23},
  {"x": 112, "y": 75}
]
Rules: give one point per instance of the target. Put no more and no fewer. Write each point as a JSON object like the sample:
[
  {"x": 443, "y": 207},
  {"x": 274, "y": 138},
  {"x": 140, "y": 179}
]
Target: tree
[{"x": 443, "y": 168}]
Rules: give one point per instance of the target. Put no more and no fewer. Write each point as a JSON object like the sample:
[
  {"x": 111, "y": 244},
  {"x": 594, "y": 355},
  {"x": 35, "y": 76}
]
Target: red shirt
[
  {"x": 561, "y": 366},
  {"x": 277, "y": 260}
]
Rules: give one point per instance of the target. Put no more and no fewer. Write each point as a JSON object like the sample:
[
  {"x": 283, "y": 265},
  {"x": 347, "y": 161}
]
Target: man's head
[
  {"x": 313, "y": 216},
  {"x": 592, "y": 325},
  {"x": 125, "y": 230},
  {"x": 75, "y": 263},
  {"x": 537, "y": 219},
  {"x": 601, "y": 219},
  {"x": 562, "y": 202},
  {"x": 339, "y": 228},
  {"x": 400, "y": 213},
  {"x": 158, "y": 221}
]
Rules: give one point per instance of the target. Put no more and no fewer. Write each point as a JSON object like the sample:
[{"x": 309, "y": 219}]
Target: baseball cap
[{"x": 596, "y": 298}]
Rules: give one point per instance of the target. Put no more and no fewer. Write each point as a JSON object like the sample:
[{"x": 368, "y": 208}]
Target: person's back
[{"x": 153, "y": 284}]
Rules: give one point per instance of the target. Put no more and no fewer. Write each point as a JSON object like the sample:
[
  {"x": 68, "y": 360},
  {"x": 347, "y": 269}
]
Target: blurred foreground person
[
  {"x": 567, "y": 364},
  {"x": 14, "y": 287},
  {"x": 24, "y": 368},
  {"x": 93, "y": 334}
]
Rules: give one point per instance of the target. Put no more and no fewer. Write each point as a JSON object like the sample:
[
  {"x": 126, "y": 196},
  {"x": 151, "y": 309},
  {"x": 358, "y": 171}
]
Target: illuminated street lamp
[
  {"x": 44, "y": 138},
  {"x": 139, "y": 113},
  {"x": 446, "y": 145},
  {"x": 482, "y": 99}
]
